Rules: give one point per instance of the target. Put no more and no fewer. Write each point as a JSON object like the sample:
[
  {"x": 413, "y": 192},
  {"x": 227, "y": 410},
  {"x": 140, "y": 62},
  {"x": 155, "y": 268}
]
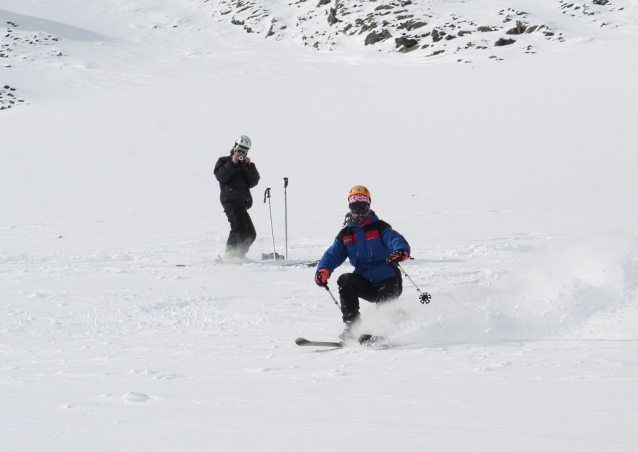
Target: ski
[
  {"x": 190, "y": 264},
  {"x": 305, "y": 342},
  {"x": 369, "y": 340},
  {"x": 312, "y": 263}
]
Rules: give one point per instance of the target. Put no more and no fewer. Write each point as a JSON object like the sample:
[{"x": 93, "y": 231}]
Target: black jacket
[{"x": 235, "y": 181}]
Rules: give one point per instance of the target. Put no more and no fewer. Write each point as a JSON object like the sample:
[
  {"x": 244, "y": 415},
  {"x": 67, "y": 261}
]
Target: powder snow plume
[{"x": 576, "y": 288}]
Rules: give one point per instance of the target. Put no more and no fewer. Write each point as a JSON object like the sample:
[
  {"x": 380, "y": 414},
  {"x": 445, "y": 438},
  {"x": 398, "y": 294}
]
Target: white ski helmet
[{"x": 243, "y": 141}]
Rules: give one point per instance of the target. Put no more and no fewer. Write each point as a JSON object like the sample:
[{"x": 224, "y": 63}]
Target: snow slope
[{"x": 512, "y": 178}]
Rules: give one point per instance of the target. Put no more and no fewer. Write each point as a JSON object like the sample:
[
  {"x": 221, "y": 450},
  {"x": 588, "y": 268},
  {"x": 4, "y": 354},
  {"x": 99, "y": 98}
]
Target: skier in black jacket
[{"x": 237, "y": 174}]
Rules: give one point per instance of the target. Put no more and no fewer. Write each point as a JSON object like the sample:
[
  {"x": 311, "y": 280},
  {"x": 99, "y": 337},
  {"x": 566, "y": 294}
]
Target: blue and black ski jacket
[{"x": 367, "y": 246}]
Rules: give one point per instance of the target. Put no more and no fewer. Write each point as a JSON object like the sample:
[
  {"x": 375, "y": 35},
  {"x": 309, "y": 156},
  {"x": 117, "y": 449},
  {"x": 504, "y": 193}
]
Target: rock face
[
  {"x": 332, "y": 17},
  {"x": 406, "y": 42},
  {"x": 375, "y": 37},
  {"x": 504, "y": 42},
  {"x": 519, "y": 29},
  {"x": 428, "y": 26}
]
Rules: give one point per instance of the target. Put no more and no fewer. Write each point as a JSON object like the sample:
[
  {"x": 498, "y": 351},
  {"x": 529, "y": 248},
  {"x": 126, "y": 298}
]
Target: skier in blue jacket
[{"x": 374, "y": 249}]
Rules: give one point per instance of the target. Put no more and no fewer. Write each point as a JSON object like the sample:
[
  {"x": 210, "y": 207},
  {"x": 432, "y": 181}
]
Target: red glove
[
  {"x": 397, "y": 256},
  {"x": 321, "y": 277}
]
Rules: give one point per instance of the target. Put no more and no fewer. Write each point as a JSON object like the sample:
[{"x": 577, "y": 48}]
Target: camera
[{"x": 241, "y": 158}]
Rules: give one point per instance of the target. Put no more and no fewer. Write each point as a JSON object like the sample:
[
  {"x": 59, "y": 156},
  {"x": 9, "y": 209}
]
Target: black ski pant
[
  {"x": 242, "y": 231},
  {"x": 353, "y": 286}
]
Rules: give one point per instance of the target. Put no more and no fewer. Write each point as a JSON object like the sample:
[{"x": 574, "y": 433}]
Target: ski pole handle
[
  {"x": 285, "y": 182},
  {"x": 266, "y": 194}
]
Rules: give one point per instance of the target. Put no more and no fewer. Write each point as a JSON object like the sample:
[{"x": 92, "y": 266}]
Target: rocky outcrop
[
  {"x": 375, "y": 37},
  {"x": 9, "y": 98},
  {"x": 504, "y": 42},
  {"x": 426, "y": 26}
]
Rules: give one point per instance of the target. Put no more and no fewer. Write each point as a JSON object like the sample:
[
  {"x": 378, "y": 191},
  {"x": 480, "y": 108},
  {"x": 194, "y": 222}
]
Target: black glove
[{"x": 321, "y": 277}]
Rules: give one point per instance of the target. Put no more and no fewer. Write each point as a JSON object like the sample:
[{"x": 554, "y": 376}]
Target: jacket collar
[{"x": 371, "y": 219}]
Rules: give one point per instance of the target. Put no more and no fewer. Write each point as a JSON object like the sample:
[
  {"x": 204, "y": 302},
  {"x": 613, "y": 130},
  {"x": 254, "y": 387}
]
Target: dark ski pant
[
  {"x": 353, "y": 286},
  {"x": 242, "y": 231}
]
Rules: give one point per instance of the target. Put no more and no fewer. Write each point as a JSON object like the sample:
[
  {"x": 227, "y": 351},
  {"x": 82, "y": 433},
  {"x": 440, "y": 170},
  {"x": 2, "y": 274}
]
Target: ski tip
[{"x": 302, "y": 341}]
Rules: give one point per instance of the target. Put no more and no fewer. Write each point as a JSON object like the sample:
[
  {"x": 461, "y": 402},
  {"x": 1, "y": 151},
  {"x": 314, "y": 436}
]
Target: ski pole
[
  {"x": 424, "y": 297},
  {"x": 333, "y": 297},
  {"x": 272, "y": 231},
  {"x": 286, "y": 212}
]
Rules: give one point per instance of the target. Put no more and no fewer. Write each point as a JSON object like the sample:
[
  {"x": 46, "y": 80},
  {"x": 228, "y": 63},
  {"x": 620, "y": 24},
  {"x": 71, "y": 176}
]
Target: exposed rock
[
  {"x": 437, "y": 35},
  {"x": 406, "y": 42},
  {"x": 380, "y": 20},
  {"x": 408, "y": 49},
  {"x": 411, "y": 25},
  {"x": 504, "y": 42},
  {"x": 332, "y": 16},
  {"x": 375, "y": 37},
  {"x": 368, "y": 27},
  {"x": 8, "y": 99},
  {"x": 519, "y": 29}
]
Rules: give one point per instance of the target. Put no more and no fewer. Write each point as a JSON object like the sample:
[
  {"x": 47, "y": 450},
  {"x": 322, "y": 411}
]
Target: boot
[{"x": 350, "y": 326}]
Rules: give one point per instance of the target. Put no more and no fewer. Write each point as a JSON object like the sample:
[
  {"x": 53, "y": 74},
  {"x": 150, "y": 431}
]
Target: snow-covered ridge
[
  {"x": 17, "y": 43},
  {"x": 26, "y": 46},
  {"x": 430, "y": 27}
]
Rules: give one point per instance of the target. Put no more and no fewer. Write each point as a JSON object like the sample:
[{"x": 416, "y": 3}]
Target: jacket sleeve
[
  {"x": 252, "y": 175},
  {"x": 333, "y": 257},
  {"x": 224, "y": 170},
  {"x": 394, "y": 240}
]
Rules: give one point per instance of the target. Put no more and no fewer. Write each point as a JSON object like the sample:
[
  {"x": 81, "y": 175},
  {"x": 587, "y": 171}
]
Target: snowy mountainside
[
  {"x": 28, "y": 47},
  {"x": 429, "y": 27},
  {"x": 428, "y": 30}
]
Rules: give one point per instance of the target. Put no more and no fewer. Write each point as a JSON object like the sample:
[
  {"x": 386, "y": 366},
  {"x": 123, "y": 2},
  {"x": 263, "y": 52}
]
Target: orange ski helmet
[{"x": 359, "y": 193}]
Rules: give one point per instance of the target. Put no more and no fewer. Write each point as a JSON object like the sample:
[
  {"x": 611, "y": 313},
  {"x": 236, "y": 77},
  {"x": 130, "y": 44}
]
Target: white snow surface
[{"x": 513, "y": 179}]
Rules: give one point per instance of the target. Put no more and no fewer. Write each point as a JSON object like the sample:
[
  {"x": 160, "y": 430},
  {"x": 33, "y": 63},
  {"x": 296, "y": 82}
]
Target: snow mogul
[
  {"x": 237, "y": 174},
  {"x": 374, "y": 249}
]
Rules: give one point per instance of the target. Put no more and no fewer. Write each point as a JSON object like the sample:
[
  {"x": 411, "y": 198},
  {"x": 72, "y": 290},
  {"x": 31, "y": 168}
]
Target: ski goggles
[
  {"x": 359, "y": 208},
  {"x": 241, "y": 149}
]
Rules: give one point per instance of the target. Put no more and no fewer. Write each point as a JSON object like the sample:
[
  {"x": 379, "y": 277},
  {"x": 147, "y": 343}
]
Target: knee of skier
[{"x": 344, "y": 280}]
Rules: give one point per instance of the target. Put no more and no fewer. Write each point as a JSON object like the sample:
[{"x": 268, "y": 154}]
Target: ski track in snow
[{"x": 513, "y": 183}]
